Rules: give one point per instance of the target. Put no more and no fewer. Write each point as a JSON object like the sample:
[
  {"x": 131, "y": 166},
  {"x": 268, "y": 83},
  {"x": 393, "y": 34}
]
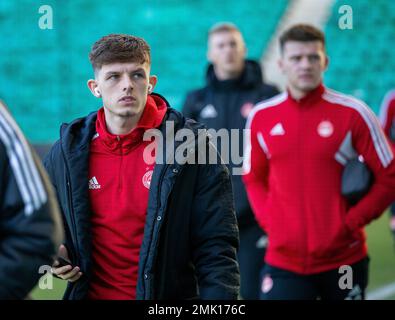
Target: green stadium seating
[
  {"x": 362, "y": 60},
  {"x": 45, "y": 71}
]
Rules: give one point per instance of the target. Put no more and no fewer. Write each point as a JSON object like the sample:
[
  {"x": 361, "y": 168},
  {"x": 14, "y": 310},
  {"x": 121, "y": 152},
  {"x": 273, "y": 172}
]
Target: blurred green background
[{"x": 44, "y": 72}]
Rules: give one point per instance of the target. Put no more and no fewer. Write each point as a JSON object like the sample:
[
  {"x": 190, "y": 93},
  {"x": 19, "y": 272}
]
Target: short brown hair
[
  {"x": 302, "y": 32},
  {"x": 223, "y": 27},
  {"x": 119, "y": 48}
]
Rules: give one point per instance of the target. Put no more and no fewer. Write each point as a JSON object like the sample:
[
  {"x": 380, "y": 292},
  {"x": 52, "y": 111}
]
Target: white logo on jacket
[
  {"x": 325, "y": 129},
  {"x": 277, "y": 130},
  {"x": 208, "y": 112},
  {"x": 94, "y": 184}
]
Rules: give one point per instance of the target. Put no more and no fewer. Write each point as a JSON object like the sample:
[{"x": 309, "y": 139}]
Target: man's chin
[
  {"x": 126, "y": 113},
  {"x": 306, "y": 87},
  {"x": 126, "y": 110}
]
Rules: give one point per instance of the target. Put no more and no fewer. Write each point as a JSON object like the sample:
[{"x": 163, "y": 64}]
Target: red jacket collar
[
  {"x": 152, "y": 117},
  {"x": 310, "y": 98}
]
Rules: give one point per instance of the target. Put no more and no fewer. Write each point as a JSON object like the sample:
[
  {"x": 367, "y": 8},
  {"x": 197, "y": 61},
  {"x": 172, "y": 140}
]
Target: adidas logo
[
  {"x": 277, "y": 130},
  {"x": 208, "y": 112},
  {"x": 93, "y": 184}
]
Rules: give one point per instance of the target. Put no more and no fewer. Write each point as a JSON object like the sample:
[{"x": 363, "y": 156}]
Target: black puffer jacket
[
  {"x": 226, "y": 104},
  {"x": 191, "y": 235}
]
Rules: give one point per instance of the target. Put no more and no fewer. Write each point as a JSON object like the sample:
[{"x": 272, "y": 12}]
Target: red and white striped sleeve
[{"x": 369, "y": 141}]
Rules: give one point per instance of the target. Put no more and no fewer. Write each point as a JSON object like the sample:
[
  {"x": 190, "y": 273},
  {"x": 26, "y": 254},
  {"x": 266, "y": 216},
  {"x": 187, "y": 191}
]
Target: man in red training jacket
[{"x": 296, "y": 149}]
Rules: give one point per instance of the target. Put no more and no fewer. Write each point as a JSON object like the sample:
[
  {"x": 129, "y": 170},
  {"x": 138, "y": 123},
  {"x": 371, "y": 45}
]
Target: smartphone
[{"x": 63, "y": 262}]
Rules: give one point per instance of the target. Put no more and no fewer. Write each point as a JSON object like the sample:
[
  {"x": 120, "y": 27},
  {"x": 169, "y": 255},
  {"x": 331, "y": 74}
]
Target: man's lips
[
  {"x": 306, "y": 76},
  {"x": 127, "y": 99}
]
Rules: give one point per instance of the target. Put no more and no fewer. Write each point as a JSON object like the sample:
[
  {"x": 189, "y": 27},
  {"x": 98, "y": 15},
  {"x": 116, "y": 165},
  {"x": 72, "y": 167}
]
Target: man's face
[
  {"x": 124, "y": 87},
  {"x": 303, "y": 64},
  {"x": 226, "y": 51}
]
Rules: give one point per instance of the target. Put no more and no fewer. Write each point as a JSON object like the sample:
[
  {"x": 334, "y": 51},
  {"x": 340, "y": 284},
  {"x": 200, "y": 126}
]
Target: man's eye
[
  {"x": 113, "y": 77},
  {"x": 138, "y": 75}
]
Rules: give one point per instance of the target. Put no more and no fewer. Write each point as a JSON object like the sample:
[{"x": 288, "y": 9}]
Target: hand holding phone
[
  {"x": 63, "y": 268},
  {"x": 64, "y": 262}
]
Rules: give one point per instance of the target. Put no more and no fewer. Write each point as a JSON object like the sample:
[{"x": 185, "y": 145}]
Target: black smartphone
[{"x": 63, "y": 262}]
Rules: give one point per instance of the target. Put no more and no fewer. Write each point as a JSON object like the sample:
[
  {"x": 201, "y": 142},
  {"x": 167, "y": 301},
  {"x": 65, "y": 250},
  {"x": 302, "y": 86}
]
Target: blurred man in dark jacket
[
  {"x": 234, "y": 85},
  {"x": 30, "y": 223}
]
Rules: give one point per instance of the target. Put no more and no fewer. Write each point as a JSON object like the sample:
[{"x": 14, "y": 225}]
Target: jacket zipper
[
  {"x": 300, "y": 134},
  {"x": 153, "y": 227},
  {"x": 70, "y": 201},
  {"x": 305, "y": 214}
]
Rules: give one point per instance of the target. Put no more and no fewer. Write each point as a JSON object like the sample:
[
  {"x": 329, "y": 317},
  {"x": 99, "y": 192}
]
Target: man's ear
[
  {"x": 280, "y": 64},
  {"x": 326, "y": 62},
  {"x": 209, "y": 51},
  {"x": 209, "y": 55},
  {"x": 152, "y": 83},
  {"x": 245, "y": 51},
  {"x": 93, "y": 87}
]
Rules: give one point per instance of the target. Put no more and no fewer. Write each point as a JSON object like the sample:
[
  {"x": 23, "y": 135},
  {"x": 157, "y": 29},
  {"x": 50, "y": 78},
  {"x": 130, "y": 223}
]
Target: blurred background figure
[
  {"x": 30, "y": 223},
  {"x": 387, "y": 118},
  {"x": 233, "y": 86}
]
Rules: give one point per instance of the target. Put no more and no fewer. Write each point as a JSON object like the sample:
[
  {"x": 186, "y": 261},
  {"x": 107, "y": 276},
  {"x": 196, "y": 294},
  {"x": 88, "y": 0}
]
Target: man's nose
[
  {"x": 127, "y": 83},
  {"x": 305, "y": 63}
]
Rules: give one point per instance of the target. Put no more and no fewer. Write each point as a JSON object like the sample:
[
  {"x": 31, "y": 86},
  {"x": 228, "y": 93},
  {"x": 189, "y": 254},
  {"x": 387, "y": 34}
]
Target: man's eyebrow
[
  {"x": 111, "y": 73},
  {"x": 137, "y": 70}
]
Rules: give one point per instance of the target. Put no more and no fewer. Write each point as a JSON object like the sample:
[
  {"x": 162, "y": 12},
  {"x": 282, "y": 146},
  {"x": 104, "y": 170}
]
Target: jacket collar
[
  {"x": 77, "y": 135},
  {"x": 310, "y": 98},
  {"x": 152, "y": 117},
  {"x": 250, "y": 77}
]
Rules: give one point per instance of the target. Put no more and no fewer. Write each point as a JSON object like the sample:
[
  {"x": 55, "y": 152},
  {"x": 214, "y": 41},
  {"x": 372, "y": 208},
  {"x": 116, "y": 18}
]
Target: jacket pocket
[{"x": 339, "y": 243}]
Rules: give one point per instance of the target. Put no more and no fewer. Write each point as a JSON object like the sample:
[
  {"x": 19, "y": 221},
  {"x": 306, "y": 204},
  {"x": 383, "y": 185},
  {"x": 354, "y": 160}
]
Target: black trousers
[
  {"x": 347, "y": 283},
  {"x": 250, "y": 256}
]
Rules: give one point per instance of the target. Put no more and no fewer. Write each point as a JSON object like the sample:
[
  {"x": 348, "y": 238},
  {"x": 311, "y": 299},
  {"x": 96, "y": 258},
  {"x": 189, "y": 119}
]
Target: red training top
[
  {"x": 294, "y": 159},
  {"x": 119, "y": 182}
]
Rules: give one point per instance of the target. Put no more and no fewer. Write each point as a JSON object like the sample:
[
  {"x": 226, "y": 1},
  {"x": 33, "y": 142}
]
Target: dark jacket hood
[{"x": 250, "y": 77}]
